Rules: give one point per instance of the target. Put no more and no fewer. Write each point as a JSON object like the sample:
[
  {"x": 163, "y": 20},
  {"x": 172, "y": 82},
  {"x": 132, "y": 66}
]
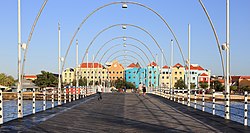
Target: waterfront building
[
  {"x": 164, "y": 77},
  {"x": 178, "y": 72},
  {"x": 135, "y": 74},
  {"x": 153, "y": 72},
  {"x": 115, "y": 71}
]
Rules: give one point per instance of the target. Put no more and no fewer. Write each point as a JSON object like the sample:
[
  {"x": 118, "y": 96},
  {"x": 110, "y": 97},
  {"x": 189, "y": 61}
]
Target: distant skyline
[{"x": 43, "y": 50}]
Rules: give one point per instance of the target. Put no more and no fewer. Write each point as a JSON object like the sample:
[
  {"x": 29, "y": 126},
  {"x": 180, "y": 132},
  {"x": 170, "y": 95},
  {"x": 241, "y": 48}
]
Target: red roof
[
  {"x": 152, "y": 64},
  {"x": 178, "y": 65},
  {"x": 30, "y": 76},
  {"x": 204, "y": 74},
  {"x": 90, "y": 65},
  {"x": 132, "y": 65},
  {"x": 195, "y": 67},
  {"x": 165, "y": 67},
  {"x": 244, "y": 77}
]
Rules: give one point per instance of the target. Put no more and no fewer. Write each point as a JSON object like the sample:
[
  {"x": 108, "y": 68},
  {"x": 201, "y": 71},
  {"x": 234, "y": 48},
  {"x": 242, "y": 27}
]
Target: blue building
[
  {"x": 135, "y": 74},
  {"x": 153, "y": 73}
]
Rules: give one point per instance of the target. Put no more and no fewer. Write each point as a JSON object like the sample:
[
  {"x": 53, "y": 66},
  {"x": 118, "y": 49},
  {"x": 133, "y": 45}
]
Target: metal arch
[
  {"x": 128, "y": 56},
  {"x": 123, "y": 60},
  {"x": 127, "y": 38},
  {"x": 123, "y": 25},
  {"x": 112, "y": 3},
  {"x": 215, "y": 35},
  {"x": 120, "y": 45},
  {"x": 125, "y": 51},
  {"x": 31, "y": 33}
]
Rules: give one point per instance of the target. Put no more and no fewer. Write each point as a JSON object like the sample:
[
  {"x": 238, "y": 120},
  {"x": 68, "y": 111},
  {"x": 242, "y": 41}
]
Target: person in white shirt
[{"x": 99, "y": 92}]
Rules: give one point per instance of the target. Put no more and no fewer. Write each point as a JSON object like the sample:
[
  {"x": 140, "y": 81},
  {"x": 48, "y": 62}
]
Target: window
[
  {"x": 65, "y": 75},
  {"x": 150, "y": 72},
  {"x": 175, "y": 78},
  {"x": 121, "y": 72},
  {"x": 175, "y": 73},
  {"x": 134, "y": 77},
  {"x": 162, "y": 77},
  {"x": 167, "y": 77},
  {"x": 113, "y": 72},
  {"x": 103, "y": 72},
  {"x": 113, "y": 77},
  {"x": 193, "y": 78},
  {"x": 192, "y": 72},
  {"x": 92, "y": 77},
  {"x": 120, "y": 77},
  {"x": 129, "y": 72},
  {"x": 116, "y": 72},
  {"x": 129, "y": 77},
  {"x": 84, "y": 72},
  {"x": 180, "y": 72},
  {"x": 163, "y": 72},
  {"x": 166, "y": 72},
  {"x": 154, "y": 77},
  {"x": 180, "y": 77}
]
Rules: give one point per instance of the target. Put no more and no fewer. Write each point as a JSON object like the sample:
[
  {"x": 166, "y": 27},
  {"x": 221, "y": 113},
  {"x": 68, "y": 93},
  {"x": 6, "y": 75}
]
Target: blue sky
[{"x": 42, "y": 54}]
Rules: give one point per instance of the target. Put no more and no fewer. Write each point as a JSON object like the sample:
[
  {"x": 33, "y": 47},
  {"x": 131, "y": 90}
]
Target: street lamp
[{"x": 124, "y": 5}]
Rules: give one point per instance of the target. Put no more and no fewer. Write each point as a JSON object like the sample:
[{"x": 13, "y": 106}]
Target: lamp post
[
  {"x": 77, "y": 71},
  {"x": 188, "y": 61},
  {"x": 171, "y": 68},
  {"x": 19, "y": 84},
  {"x": 227, "y": 89}
]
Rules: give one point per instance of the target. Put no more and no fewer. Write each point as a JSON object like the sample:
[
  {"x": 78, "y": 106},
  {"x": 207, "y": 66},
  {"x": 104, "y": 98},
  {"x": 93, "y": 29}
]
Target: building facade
[
  {"x": 152, "y": 75},
  {"x": 164, "y": 78},
  {"x": 135, "y": 74},
  {"x": 178, "y": 72},
  {"x": 115, "y": 71}
]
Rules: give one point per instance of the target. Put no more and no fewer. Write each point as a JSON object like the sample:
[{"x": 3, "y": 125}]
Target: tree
[
  {"x": 203, "y": 85},
  {"x": 6, "y": 80},
  {"x": 82, "y": 82},
  {"x": 234, "y": 88},
  {"x": 192, "y": 85},
  {"x": 180, "y": 84},
  {"x": 129, "y": 85},
  {"x": 46, "y": 79},
  {"x": 217, "y": 86}
]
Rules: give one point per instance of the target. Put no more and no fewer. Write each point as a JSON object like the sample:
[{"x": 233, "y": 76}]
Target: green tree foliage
[
  {"x": 82, "y": 82},
  {"x": 130, "y": 85},
  {"x": 120, "y": 83},
  {"x": 192, "y": 85},
  {"x": 233, "y": 88},
  {"x": 180, "y": 84},
  {"x": 6, "y": 80},
  {"x": 203, "y": 85},
  {"x": 217, "y": 86},
  {"x": 46, "y": 79}
]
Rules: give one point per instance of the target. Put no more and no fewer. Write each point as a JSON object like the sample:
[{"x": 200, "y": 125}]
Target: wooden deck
[{"x": 118, "y": 112}]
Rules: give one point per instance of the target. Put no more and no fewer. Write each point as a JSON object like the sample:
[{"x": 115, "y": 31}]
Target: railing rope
[
  {"x": 245, "y": 108},
  {"x": 178, "y": 96},
  {"x": 195, "y": 98},
  {"x": 52, "y": 99},
  {"x": 70, "y": 89},
  {"x": 74, "y": 93},
  {"x": 65, "y": 95},
  {"x": 203, "y": 99},
  {"x": 183, "y": 96},
  {"x": 213, "y": 101},
  {"x": 33, "y": 101},
  {"x": 1, "y": 107},
  {"x": 44, "y": 99}
]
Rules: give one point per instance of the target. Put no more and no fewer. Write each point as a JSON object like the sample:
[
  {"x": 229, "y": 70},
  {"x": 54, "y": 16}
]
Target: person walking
[
  {"x": 144, "y": 90},
  {"x": 99, "y": 92}
]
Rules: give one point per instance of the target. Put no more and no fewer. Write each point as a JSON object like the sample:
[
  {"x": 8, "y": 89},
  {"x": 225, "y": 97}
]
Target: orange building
[
  {"x": 115, "y": 71},
  {"x": 30, "y": 77}
]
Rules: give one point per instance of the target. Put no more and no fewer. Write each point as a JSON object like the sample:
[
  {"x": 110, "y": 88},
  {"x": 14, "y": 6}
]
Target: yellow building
[
  {"x": 178, "y": 72},
  {"x": 164, "y": 78},
  {"x": 89, "y": 71},
  {"x": 68, "y": 75},
  {"x": 115, "y": 71}
]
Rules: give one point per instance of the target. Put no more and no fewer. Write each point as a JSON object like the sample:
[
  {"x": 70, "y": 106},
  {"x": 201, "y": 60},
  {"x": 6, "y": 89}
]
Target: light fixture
[
  {"x": 224, "y": 46},
  {"x": 124, "y": 44},
  {"x": 124, "y": 38},
  {"x": 124, "y": 27},
  {"x": 124, "y": 5},
  {"x": 23, "y": 46}
]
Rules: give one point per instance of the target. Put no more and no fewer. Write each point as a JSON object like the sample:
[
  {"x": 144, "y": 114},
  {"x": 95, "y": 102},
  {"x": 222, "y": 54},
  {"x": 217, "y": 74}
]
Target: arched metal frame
[
  {"x": 120, "y": 45},
  {"x": 127, "y": 37},
  {"x": 129, "y": 56},
  {"x": 125, "y": 52},
  {"x": 115, "y": 25},
  {"x": 127, "y": 2}
]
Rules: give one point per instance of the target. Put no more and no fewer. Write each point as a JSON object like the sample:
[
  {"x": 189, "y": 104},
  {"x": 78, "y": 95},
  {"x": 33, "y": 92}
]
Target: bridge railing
[
  {"x": 211, "y": 103},
  {"x": 37, "y": 101}
]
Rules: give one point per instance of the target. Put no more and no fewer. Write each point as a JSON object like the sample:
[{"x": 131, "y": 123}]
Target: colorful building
[
  {"x": 153, "y": 72},
  {"x": 178, "y": 72},
  {"x": 115, "y": 71},
  {"x": 135, "y": 74},
  {"x": 164, "y": 77}
]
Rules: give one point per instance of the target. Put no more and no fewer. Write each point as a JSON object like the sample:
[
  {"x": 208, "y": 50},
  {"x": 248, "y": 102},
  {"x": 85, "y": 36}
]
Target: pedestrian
[
  {"x": 140, "y": 89},
  {"x": 144, "y": 90},
  {"x": 99, "y": 91}
]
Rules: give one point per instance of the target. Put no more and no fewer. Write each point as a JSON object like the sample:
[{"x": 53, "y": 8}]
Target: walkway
[{"x": 124, "y": 113}]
